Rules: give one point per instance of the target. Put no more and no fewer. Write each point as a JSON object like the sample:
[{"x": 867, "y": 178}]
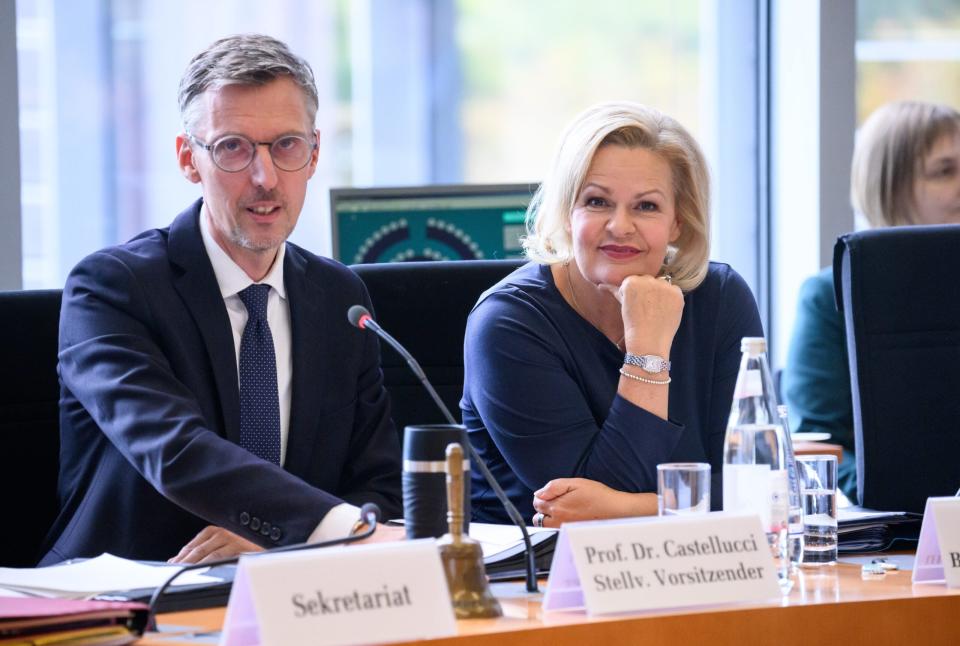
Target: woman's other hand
[{"x": 570, "y": 499}]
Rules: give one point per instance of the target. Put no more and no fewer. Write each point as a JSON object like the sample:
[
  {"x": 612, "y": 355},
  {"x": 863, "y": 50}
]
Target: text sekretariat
[{"x": 318, "y": 603}]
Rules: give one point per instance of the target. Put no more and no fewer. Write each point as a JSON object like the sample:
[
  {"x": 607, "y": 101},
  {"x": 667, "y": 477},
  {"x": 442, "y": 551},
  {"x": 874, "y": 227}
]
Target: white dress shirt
[{"x": 232, "y": 280}]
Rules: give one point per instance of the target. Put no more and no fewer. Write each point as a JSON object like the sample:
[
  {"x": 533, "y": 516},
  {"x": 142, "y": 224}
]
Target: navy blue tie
[{"x": 259, "y": 401}]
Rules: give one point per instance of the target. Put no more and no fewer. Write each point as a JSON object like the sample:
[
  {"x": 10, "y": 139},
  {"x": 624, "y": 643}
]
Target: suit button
[
  {"x": 254, "y": 523},
  {"x": 275, "y": 534},
  {"x": 244, "y": 518},
  {"x": 265, "y": 529}
]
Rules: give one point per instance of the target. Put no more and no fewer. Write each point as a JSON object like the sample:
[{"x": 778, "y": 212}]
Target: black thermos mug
[{"x": 425, "y": 478}]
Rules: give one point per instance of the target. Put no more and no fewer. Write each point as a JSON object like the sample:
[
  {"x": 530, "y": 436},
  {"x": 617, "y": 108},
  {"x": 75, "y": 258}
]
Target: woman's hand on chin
[
  {"x": 651, "y": 309},
  {"x": 570, "y": 499}
]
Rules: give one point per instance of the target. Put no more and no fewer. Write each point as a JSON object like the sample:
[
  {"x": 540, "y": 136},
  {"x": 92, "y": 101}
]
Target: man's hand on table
[{"x": 213, "y": 543}]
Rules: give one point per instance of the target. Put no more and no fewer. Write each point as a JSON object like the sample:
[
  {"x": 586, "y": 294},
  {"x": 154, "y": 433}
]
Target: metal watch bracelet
[{"x": 648, "y": 362}]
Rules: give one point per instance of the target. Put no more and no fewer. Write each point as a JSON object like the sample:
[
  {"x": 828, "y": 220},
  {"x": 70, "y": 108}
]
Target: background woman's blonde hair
[
  {"x": 631, "y": 125},
  {"x": 888, "y": 155}
]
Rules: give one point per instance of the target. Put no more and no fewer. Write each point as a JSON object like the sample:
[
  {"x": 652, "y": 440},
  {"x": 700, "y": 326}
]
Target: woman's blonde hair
[
  {"x": 630, "y": 125},
  {"x": 888, "y": 155}
]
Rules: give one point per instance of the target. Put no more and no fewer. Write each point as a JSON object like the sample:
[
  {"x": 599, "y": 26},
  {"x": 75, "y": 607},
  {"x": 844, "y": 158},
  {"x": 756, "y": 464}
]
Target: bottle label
[
  {"x": 749, "y": 384},
  {"x": 779, "y": 500},
  {"x": 746, "y": 488}
]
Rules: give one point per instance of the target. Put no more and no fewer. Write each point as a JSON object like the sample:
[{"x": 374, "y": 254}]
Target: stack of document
[
  {"x": 115, "y": 578},
  {"x": 504, "y": 556},
  {"x": 866, "y": 530},
  {"x": 70, "y": 621}
]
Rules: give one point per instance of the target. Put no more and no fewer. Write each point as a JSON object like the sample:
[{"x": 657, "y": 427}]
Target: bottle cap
[{"x": 754, "y": 345}]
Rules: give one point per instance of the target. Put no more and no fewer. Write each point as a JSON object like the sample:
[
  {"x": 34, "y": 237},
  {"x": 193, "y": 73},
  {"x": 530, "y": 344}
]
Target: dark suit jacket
[{"x": 150, "y": 408}]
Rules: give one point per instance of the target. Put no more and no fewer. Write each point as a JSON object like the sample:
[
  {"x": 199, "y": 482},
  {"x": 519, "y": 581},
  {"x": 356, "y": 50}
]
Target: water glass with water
[
  {"x": 683, "y": 488},
  {"x": 818, "y": 490}
]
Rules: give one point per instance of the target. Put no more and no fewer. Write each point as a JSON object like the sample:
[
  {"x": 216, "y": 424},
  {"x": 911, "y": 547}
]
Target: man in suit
[{"x": 214, "y": 397}]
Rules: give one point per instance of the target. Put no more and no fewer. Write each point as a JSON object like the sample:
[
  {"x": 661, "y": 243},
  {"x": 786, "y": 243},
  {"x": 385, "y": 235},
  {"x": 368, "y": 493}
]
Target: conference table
[
  {"x": 819, "y": 448},
  {"x": 832, "y": 599},
  {"x": 829, "y": 605}
]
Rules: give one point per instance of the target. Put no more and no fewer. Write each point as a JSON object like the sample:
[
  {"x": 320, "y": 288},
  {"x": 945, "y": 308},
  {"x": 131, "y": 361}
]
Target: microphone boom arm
[
  {"x": 366, "y": 321},
  {"x": 369, "y": 513}
]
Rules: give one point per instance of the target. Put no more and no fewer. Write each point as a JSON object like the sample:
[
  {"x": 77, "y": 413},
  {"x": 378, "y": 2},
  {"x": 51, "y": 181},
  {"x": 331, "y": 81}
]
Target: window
[
  {"x": 528, "y": 71},
  {"x": 413, "y": 92},
  {"x": 907, "y": 50},
  {"x": 896, "y": 50}
]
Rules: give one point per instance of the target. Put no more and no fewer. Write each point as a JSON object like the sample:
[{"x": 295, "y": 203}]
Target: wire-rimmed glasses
[{"x": 233, "y": 153}]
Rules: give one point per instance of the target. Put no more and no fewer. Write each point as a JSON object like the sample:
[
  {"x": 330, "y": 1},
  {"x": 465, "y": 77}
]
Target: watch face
[
  {"x": 648, "y": 362},
  {"x": 652, "y": 363}
]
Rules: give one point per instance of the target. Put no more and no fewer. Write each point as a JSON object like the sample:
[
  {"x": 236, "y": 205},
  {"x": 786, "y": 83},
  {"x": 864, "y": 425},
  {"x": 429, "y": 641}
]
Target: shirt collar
[{"x": 230, "y": 277}]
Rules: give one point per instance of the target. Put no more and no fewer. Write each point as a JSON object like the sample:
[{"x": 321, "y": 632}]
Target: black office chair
[
  {"x": 424, "y": 305},
  {"x": 29, "y": 425},
  {"x": 899, "y": 292}
]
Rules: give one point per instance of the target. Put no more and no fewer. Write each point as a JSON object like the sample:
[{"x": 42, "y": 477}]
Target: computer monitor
[{"x": 465, "y": 222}]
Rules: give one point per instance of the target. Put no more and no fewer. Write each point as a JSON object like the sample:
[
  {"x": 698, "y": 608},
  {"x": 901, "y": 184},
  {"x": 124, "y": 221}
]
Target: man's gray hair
[{"x": 244, "y": 59}]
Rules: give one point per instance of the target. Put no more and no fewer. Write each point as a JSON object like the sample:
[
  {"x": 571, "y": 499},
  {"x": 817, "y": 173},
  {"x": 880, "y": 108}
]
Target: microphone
[
  {"x": 369, "y": 514},
  {"x": 360, "y": 317}
]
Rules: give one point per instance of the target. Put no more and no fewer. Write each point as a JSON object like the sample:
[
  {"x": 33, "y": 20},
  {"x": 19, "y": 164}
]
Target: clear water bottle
[
  {"x": 795, "y": 505},
  {"x": 755, "y": 465}
]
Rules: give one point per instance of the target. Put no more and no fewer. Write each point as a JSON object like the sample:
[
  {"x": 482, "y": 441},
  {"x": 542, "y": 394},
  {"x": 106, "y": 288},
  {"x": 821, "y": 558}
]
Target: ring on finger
[{"x": 538, "y": 519}]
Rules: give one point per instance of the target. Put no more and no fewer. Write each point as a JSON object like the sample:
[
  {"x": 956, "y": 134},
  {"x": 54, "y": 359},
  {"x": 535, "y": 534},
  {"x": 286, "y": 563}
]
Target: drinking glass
[
  {"x": 818, "y": 491},
  {"x": 683, "y": 488}
]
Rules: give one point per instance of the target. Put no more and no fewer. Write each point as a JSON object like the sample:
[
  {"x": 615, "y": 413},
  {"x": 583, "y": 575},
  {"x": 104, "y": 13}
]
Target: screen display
[{"x": 429, "y": 223}]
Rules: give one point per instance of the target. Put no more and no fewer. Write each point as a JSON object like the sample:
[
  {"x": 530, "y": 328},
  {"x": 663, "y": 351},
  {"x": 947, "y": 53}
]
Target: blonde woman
[
  {"x": 617, "y": 347},
  {"x": 905, "y": 171}
]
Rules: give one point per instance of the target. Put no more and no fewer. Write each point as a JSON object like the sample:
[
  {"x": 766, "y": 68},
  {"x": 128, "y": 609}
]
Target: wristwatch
[{"x": 649, "y": 362}]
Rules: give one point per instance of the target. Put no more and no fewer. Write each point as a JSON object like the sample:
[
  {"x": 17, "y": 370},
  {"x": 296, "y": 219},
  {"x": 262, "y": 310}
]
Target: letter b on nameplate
[
  {"x": 338, "y": 596},
  {"x": 651, "y": 563}
]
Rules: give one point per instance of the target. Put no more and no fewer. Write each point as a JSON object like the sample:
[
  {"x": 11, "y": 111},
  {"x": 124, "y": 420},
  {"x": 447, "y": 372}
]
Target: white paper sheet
[
  {"x": 496, "y": 538},
  {"x": 88, "y": 578}
]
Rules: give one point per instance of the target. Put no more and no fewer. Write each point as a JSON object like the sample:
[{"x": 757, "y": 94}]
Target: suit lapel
[
  {"x": 307, "y": 351},
  {"x": 197, "y": 285}
]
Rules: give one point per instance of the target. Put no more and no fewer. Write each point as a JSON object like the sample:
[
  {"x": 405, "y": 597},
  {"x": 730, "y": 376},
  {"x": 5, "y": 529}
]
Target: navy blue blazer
[{"x": 150, "y": 405}]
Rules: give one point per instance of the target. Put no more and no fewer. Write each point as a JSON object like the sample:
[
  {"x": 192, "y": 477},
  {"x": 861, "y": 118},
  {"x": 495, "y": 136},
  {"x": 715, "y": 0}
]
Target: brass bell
[{"x": 461, "y": 555}]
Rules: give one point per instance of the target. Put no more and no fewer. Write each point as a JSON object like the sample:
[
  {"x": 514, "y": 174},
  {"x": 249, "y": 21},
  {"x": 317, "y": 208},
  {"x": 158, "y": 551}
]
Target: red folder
[{"x": 44, "y": 621}]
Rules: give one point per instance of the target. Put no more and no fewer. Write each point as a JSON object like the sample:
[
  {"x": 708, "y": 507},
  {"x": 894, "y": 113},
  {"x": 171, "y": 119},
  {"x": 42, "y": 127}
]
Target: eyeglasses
[{"x": 233, "y": 153}]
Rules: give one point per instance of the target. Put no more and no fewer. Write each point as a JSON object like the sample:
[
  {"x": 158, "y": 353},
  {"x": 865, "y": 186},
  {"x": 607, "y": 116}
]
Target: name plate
[
  {"x": 360, "y": 594},
  {"x": 650, "y": 563},
  {"x": 938, "y": 554}
]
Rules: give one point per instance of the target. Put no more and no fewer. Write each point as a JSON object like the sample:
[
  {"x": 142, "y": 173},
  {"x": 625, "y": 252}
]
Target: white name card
[
  {"x": 359, "y": 594},
  {"x": 648, "y": 563},
  {"x": 938, "y": 554}
]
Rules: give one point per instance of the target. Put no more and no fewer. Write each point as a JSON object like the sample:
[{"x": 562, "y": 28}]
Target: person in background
[
  {"x": 905, "y": 171},
  {"x": 617, "y": 347},
  {"x": 214, "y": 398}
]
